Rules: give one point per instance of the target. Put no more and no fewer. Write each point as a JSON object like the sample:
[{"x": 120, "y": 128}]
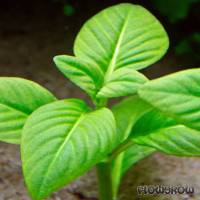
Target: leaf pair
[{"x": 109, "y": 49}]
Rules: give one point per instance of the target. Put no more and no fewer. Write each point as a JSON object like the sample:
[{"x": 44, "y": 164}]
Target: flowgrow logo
[{"x": 162, "y": 189}]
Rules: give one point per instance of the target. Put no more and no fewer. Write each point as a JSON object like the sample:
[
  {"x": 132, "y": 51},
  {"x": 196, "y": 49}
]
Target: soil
[{"x": 30, "y": 35}]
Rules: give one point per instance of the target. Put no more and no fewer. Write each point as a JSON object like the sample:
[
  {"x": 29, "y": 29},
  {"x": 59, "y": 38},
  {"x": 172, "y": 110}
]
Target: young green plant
[{"x": 62, "y": 139}]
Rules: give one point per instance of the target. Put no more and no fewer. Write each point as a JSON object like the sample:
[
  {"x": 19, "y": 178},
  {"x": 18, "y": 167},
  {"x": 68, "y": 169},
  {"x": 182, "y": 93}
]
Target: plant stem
[
  {"x": 105, "y": 182},
  {"x": 107, "y": 187}
]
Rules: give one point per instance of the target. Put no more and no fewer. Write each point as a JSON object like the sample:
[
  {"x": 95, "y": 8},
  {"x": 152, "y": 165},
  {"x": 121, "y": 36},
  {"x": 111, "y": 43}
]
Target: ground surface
[{"x": 29, "y": 38}]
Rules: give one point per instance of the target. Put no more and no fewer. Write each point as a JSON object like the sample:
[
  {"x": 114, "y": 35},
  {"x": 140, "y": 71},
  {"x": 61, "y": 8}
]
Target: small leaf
[
  {"x": 83, "y": 74},
  {"x": 18, "y": 99},
  {"x": 122, "y": 37},
  {"x": 133, "y": 155},
  {"x": 127, "y": 112},
  {"x": 176, "y": 95},
  {"x": 61, "y": 141},
  {"x": 122, "y": 83}
]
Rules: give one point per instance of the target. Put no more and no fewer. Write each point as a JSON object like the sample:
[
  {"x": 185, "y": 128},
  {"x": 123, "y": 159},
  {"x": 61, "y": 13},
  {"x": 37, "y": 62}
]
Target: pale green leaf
[
  {"x": 156, "y": 130},
  {"x": 18, "y": 99},
  {"x": 61, "y": 141},
  {"x": 176, "y": 140},
  {"x": 120, "y": 37},
  {"x": 176, "y": 95}
]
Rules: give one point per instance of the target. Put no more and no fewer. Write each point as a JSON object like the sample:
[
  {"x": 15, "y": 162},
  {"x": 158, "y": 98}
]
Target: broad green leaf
[
  {"x": 156, "y": 130},
  {"x": 61, "y": 141},
  {"x": 176, "y": 95},
  {"x": 122, "y": 37},
  {"x": 127, "y": 113},
  {"x": 18, "y": 99}
]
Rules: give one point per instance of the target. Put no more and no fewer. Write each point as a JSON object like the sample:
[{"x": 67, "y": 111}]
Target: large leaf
[
  {"x": 18, "y": 98},
  {"x": 61, "y": 141},
  {"x": 115, "y": 43},
  {"x": 174, "y": 130},
  {"x": 176, "y": 95},
  {"x": 164, "y": 134}
]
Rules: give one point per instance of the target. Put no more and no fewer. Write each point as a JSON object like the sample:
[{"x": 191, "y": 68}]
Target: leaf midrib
[
  {"x": 188, "y": 94},
  {"x": 112, "y": 63},
  {"x": 61, "y": 148}
]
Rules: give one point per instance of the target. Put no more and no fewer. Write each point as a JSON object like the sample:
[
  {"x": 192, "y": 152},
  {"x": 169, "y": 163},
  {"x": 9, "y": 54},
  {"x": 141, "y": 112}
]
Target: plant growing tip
[{"x": 62, "y": 139}]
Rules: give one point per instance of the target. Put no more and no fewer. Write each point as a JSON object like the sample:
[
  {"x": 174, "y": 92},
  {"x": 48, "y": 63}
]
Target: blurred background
[{"x": 32, "y": 32}]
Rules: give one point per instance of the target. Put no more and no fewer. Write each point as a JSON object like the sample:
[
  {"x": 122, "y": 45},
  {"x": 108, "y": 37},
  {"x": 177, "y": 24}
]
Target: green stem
[
  {"x": 105, "y": 182},
  {"x": 116, "y": 174}
]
